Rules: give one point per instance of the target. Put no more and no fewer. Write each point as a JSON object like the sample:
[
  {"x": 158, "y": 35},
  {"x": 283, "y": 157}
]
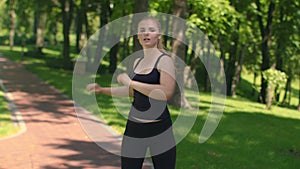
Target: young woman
[{"x": 151, "y": 84}]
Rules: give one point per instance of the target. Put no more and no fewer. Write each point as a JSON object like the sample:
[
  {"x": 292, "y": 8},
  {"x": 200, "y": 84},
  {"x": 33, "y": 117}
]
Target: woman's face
[{"x": 148, "y": 33}]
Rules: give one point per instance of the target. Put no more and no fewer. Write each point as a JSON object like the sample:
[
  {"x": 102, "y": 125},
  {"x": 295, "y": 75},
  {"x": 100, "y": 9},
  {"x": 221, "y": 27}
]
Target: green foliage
[
  {"x": 4, "y": 19},
  {"x": 218, "y": 19},
  {"x": 275, "y": 78},
  {"x": 160, "y": 6},
  {"x": 213, "y": 17},
  {"x": 276, "y": 82},
  {"x": 121, "y": 8}
]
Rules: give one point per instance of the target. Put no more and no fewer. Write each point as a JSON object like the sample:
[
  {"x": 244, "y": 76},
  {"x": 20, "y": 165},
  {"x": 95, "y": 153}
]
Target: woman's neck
[{"x": 149, "y": 53}]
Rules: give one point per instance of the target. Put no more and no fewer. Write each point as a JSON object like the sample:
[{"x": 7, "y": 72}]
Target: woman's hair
[{"x": 160, "y": 44}]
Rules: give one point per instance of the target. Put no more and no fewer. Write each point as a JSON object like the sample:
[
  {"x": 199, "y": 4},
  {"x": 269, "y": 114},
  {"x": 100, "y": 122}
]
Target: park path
[{"x": 53, "y": 137}]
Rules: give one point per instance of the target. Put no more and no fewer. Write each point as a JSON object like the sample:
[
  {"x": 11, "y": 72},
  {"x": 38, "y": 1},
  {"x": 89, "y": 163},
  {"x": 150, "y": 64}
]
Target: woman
[{"x": 151, "y": 84}]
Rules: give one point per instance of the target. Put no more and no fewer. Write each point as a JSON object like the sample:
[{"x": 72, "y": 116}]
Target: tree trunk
[
  {"x": 279, "y": 49},
  {"x": 87, "y": 32},
  {"x": 179, "y": 49},
  {"x": 139, "y": 6},
  {"x": 86, "y": 22},
  {"x": 195, "y": 60},
  {"x": 79, "y": 24},
  {"x": 279, "y": 53},
  {"x": 114, "y": 52},
  {"x": 206, "y": 79},
  {"x": 193, "y": 54},
  {"x": 266, "y": 34},
  {"x": 299, "y": 93},
  {"x": 287, "y": 91},
  {"x": 53, "y": 29},
  {"x": 41, "y": 25},
  {"x": 113, "y": 57},
  {"x": 167, "y": 28},
  {"x": 35, "y": 20},
  {"x": 13, "y": 17},
  {"x": 104, "y": 5},
  {"x": 67, "y": 9},
  {"x": 126, "y": 49},
  {"x": 269, "y": 97},
  {"x": 238, "y": 71},
  {"x": 201, "y": 73},
  {"x": 231, "y": 68},
  {"x": 222, "y": 54},
  {"x": 254, "y": 82}
]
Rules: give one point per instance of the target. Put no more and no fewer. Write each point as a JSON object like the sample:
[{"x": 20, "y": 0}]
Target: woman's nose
[{"x": 146, "y": 33}]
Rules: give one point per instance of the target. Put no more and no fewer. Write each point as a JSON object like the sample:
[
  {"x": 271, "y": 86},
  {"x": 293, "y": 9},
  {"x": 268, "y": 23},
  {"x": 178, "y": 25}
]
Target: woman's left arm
[{"x": 162, "y": 91}]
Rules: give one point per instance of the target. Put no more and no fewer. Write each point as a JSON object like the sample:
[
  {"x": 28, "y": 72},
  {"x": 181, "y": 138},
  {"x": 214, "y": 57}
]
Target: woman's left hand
[{"x": 124, "y": 79}]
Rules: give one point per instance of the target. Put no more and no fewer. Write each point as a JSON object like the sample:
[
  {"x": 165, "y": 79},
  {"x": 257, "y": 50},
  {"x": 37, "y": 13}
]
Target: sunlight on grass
[
  {"x": 6, "y": 125},
  {"x": 52, "y": 52},
  {"x": 295, "y": 92},
  {"x": 246, "y": 106},
  {"x": 248, "y": 135}
]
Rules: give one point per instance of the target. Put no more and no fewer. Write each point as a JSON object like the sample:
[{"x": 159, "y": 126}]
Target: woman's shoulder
[
  {"x": 166, "y": 53},
  {"x": 166, "y": 60},
  {"x": 166, "y": 57}
]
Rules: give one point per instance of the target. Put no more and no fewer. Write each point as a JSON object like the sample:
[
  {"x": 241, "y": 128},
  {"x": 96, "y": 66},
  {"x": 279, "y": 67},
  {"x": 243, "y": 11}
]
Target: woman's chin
[{"x": 148, "y": 46}]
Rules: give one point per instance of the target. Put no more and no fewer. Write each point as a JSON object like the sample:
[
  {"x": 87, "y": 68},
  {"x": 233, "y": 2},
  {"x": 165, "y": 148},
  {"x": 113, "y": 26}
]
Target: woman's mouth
[{"x": 146, "y": 39}]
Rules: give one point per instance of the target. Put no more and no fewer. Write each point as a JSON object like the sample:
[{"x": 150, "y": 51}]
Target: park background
[{"x": 257, "y": 43}]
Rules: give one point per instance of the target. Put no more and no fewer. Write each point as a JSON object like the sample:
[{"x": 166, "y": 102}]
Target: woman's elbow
[
  {"x": 161, "y": 94},
  {"x": 169, "y": 94}
]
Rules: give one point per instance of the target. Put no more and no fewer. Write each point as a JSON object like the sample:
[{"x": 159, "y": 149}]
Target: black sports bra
[
  {"x": 144, "y": 107},
  {"x": 152, "y": 77}
]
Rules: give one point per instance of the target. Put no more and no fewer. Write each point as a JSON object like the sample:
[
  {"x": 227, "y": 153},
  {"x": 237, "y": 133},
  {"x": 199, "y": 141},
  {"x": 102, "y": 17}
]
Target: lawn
[
  {"x": 248, "y": 136},
  {"x": 7, "y": 127}
]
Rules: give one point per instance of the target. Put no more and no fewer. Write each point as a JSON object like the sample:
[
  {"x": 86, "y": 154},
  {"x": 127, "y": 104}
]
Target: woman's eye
[
  {"x": 152, "y": 30},
  {"x": 147, "y": 30}
]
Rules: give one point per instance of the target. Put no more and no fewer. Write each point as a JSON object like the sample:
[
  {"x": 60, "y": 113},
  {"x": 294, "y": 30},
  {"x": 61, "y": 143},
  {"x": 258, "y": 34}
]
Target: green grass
[
  {"x": 247, "y": 137},
  {"x": 6, "y": 125}
]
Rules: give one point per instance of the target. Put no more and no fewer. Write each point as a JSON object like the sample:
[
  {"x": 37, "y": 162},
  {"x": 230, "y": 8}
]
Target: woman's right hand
[{"x": 94, "y": 88}]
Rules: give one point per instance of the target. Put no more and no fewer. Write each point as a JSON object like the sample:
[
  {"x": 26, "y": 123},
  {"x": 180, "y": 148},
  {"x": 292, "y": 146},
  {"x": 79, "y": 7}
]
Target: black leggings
[{"x": 157, "y": 136}]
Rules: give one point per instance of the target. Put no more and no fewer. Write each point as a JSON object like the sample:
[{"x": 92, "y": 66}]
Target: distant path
[{"x": 54, "y": 138}]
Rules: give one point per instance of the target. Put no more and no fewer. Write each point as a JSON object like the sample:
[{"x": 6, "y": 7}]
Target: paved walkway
[{"x": 53, "y": 137}]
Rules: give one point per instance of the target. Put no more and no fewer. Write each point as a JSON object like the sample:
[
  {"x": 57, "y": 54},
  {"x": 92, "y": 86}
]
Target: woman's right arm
[{"x": 122, "y": 91}]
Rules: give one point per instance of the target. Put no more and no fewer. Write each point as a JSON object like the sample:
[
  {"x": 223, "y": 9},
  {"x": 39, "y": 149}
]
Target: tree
[
  {"x": 238, "y": 71},
  {"x": 286, "y": 31},
  {"x": 103, "y": 10},
  {"x": 231, "y": 32},
  {"x": 81, "y": 12},
  {"x": 54, "y": 20},
  {"x": 266, "y": 35},
  {"x": 299, "y": 92},
  {"x": 123, "y": 8},
  {"x": 139, "y": 6},
  {"x": 179, "y": 49},
  {"x": 220, "y": 22},
  {"x": 246, "y": 40},
  {"x": 12, "y": 4},
  {"x": 41, "y": 18},
  {"x": 23, "y": 25},
  {"x": 67, "y": 11},
  {"x": 275, "y": 79}
]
